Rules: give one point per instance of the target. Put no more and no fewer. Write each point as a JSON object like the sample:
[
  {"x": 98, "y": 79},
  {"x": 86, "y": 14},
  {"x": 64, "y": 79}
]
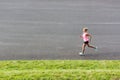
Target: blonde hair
[{"x": 85, "y": 29}]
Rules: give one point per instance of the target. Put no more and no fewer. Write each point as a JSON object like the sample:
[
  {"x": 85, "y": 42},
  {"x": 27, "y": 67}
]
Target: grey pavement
[{"x": 50, "y": 29}]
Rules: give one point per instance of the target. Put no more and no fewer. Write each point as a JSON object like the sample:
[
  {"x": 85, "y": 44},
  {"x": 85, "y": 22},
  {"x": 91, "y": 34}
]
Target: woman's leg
[
  {"x": 83, "y": 48},
  {"x": 91, "y": 46}
]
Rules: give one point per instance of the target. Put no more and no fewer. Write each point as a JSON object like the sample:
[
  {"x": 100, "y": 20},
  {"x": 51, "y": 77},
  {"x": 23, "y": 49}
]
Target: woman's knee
[{"x": 88, "y": 45}]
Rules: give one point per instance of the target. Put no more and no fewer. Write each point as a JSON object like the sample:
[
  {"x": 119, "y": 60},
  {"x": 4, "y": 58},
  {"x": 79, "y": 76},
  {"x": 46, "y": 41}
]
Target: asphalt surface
[{"x": 50, "y": 29}]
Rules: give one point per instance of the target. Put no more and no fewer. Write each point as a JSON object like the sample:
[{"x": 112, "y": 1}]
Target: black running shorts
[{"x": 86, "y": 42}]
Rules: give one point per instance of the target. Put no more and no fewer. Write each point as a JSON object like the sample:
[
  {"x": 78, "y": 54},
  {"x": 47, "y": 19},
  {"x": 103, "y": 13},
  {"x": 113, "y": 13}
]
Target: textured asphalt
[{"x": 50, "y": 29}]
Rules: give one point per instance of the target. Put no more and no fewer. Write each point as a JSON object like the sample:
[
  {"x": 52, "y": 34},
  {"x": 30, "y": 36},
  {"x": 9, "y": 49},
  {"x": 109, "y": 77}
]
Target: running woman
[{"x": 86, "y": 38}]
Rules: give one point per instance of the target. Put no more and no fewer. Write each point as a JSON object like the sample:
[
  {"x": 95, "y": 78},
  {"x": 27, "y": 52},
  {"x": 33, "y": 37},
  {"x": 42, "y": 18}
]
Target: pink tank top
[{"x": 85, "y": 37}]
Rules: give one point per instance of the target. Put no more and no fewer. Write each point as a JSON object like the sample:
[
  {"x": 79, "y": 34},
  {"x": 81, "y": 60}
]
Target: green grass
[{"x": 60, "y": 70}]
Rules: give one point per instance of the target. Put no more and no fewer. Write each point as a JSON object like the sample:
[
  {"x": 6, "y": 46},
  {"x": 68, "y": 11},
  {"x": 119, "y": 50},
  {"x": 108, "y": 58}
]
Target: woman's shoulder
[{"x": 87, "y": 34}]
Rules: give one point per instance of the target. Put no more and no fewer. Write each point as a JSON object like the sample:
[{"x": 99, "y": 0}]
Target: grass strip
[
  {"x": 59, "y": 64},
  {"x": 60, "y": 75},
  {"x": 60, "y": 70}
]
